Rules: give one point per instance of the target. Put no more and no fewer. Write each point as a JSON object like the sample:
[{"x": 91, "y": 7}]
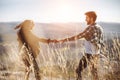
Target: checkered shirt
[{"x": 94, "y": 34}]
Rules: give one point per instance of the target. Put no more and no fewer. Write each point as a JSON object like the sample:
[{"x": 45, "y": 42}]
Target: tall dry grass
[{"x": 59, "y": 61}]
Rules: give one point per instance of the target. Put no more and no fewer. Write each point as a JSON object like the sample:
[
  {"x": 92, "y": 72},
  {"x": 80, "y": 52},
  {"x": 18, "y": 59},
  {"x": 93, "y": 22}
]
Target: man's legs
[
  {"x": 88, "y": 59},
  {"x": 93, "y": 61},
  {"x": 82, "y": 65}
]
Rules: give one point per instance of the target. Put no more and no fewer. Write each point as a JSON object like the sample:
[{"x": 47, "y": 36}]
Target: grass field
[{"x": 59, "y": 61}]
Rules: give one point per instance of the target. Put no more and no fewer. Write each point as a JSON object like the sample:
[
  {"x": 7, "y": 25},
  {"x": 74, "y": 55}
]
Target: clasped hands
[{"x": 56, "y": 41}]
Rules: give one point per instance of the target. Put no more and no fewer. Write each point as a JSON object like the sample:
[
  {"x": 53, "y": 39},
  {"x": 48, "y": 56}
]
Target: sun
[{"x": 64, "y": 13}]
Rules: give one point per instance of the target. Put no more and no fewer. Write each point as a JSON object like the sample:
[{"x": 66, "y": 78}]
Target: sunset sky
[{"x": 58, "y": 10}]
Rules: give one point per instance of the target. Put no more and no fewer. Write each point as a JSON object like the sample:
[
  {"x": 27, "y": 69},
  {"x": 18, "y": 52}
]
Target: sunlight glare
[{"x": 64, "y": 13}]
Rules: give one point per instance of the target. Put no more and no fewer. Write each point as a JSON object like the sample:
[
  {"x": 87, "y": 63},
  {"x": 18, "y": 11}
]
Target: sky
[{"x": 58, "y": 10}]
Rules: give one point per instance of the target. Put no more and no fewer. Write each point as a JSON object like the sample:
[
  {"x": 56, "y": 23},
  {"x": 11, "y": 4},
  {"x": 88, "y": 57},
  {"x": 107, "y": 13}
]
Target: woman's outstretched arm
[{"x": 44, "y": 40}]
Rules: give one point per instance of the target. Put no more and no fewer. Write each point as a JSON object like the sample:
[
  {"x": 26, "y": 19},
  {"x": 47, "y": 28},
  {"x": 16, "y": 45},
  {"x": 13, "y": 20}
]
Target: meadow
[{"x": 59, "y": 61}]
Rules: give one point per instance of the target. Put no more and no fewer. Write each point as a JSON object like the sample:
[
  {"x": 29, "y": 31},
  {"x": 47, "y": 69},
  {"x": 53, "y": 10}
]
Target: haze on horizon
[{"x": 58, "y": 10}]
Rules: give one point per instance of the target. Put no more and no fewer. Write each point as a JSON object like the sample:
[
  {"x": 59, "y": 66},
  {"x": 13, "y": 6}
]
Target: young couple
[{"x": 93, "y": 35}]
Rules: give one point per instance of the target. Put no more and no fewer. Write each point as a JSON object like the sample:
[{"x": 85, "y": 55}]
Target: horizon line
[{"x": 61, "y": 22}]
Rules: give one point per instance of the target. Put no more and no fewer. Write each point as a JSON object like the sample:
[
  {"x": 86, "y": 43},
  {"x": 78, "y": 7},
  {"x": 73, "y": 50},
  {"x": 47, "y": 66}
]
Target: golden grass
[{"x": 61, "y": 60}]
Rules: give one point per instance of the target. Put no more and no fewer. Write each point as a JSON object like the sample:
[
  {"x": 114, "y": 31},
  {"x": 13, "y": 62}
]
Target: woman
[{"x": 29, "y": 46}]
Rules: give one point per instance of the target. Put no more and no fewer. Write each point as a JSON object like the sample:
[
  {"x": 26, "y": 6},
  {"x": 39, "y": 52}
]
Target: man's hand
[
  {"x": 54, "y": 41},
  {"x": 62, "y": 41}
]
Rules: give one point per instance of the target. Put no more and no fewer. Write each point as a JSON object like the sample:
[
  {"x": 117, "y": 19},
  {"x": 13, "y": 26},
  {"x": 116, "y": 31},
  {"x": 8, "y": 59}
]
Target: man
[{"x": 93, "y": 35}]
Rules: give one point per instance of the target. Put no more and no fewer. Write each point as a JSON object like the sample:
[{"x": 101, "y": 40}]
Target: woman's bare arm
[{"x": 44, "y": 40}]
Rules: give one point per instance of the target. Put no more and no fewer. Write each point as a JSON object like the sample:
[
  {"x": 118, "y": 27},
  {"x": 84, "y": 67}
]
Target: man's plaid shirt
[{"x": 93, "y": 33}]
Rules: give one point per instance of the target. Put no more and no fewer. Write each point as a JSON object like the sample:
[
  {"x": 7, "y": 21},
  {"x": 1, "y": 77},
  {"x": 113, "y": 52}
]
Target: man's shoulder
[{"x": 97, "y": 25}]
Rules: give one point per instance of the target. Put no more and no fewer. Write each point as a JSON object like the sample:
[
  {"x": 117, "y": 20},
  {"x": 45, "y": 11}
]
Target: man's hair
[{"x": 91, "y": 14}]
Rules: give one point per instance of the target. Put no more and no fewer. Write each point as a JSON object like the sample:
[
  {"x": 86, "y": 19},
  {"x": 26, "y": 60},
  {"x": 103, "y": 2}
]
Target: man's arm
[
  {"x": 76, "y": 37},
  {"x": 73, "y": 38}
]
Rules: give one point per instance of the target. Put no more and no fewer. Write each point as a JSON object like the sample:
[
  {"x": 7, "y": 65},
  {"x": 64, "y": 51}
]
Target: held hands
[
  {"x": 52, "y": 41},
  {"x": 55, "y": 41},
  {"x": 62, "y": 41}
]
